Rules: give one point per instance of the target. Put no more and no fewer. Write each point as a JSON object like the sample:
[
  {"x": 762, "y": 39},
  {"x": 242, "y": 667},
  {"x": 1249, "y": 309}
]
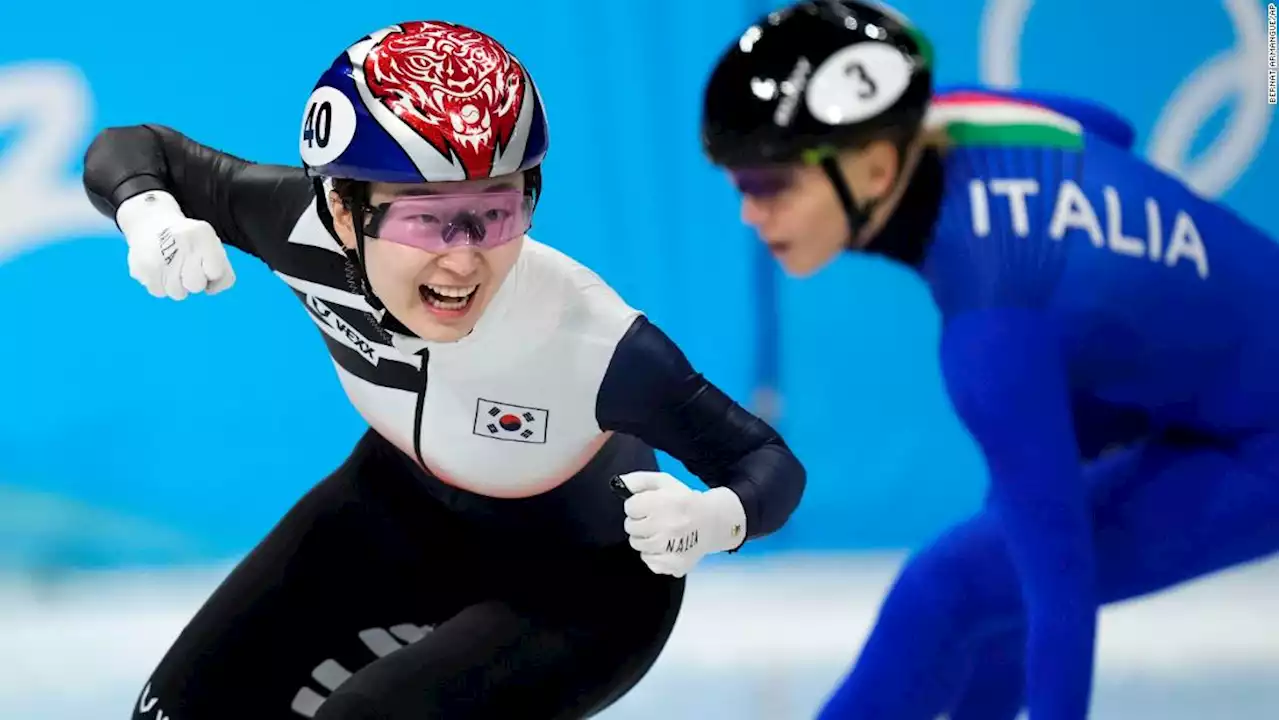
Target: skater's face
[
  {"x": 436, "y": 253},
  {"x": 797, "y": 213}
]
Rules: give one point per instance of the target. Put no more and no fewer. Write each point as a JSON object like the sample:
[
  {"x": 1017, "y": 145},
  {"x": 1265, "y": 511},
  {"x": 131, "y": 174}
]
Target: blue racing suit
[{"x": 1110, "y": 341}]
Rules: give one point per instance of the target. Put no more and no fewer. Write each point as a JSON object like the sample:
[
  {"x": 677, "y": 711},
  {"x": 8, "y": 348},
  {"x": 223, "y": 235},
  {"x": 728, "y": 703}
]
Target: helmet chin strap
[
  {"x": 357, "y": 276},
  {"x": 857, "y": 215},
  {"x": 356, "y": 256}
]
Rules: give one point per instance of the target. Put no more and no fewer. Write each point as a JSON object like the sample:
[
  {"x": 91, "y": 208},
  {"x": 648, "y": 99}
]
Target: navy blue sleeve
[{"x": 651, "y": 391}]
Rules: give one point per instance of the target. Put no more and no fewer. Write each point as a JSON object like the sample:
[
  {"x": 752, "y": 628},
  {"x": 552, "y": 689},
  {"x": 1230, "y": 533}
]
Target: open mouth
[{"x": 448, "y": 298}]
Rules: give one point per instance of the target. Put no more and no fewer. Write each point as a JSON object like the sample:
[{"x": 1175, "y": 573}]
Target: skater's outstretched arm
[{"x": 247, "y": 204}]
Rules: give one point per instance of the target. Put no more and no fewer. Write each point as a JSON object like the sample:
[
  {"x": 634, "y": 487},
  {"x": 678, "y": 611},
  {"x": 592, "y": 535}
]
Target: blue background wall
[{"x": 137, "y": 430}]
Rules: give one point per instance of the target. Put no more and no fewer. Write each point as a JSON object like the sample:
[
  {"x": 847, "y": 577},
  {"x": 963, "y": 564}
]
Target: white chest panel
[{"x": 510, "y": 410}]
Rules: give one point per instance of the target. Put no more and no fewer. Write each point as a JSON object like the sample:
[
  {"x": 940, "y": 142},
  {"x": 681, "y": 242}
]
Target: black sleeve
[
  {"x": 247, "y": 204},
  {"x": 652, "y": 392}
]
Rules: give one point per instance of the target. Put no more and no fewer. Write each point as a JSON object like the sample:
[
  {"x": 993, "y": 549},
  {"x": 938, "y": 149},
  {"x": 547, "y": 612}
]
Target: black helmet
[{"x": 821, "y": 74}]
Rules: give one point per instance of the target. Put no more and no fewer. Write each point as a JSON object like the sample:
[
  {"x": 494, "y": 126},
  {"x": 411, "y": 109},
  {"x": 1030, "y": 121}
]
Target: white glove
[
  {"x": 169, "y": 253},
  {"x": 674, "y": 526}
]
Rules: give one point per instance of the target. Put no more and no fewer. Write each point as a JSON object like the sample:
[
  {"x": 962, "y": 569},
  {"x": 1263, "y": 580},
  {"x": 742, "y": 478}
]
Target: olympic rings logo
[{"x": 1232, "y": 77}]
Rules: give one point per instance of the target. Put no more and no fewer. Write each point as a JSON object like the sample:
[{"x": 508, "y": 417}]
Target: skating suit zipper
[{"x": 417, "y": 411}]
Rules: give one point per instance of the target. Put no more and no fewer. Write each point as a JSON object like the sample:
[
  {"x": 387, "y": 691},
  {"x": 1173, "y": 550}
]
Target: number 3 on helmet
[
  {"x": 423, "y": 101},
  {"x": 819, "y": 74}
]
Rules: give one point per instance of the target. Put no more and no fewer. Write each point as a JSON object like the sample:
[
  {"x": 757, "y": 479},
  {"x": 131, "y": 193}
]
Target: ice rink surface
[{"x": 759, "y": 639}]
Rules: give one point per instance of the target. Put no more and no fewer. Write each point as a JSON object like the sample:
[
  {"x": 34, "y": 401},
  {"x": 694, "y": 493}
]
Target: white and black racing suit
[{"x": 474, "y": 522}]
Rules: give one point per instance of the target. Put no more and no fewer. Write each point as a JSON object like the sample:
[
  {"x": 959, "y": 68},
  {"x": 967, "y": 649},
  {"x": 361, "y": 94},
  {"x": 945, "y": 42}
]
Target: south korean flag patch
[{"x": 504, "y": 421}]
